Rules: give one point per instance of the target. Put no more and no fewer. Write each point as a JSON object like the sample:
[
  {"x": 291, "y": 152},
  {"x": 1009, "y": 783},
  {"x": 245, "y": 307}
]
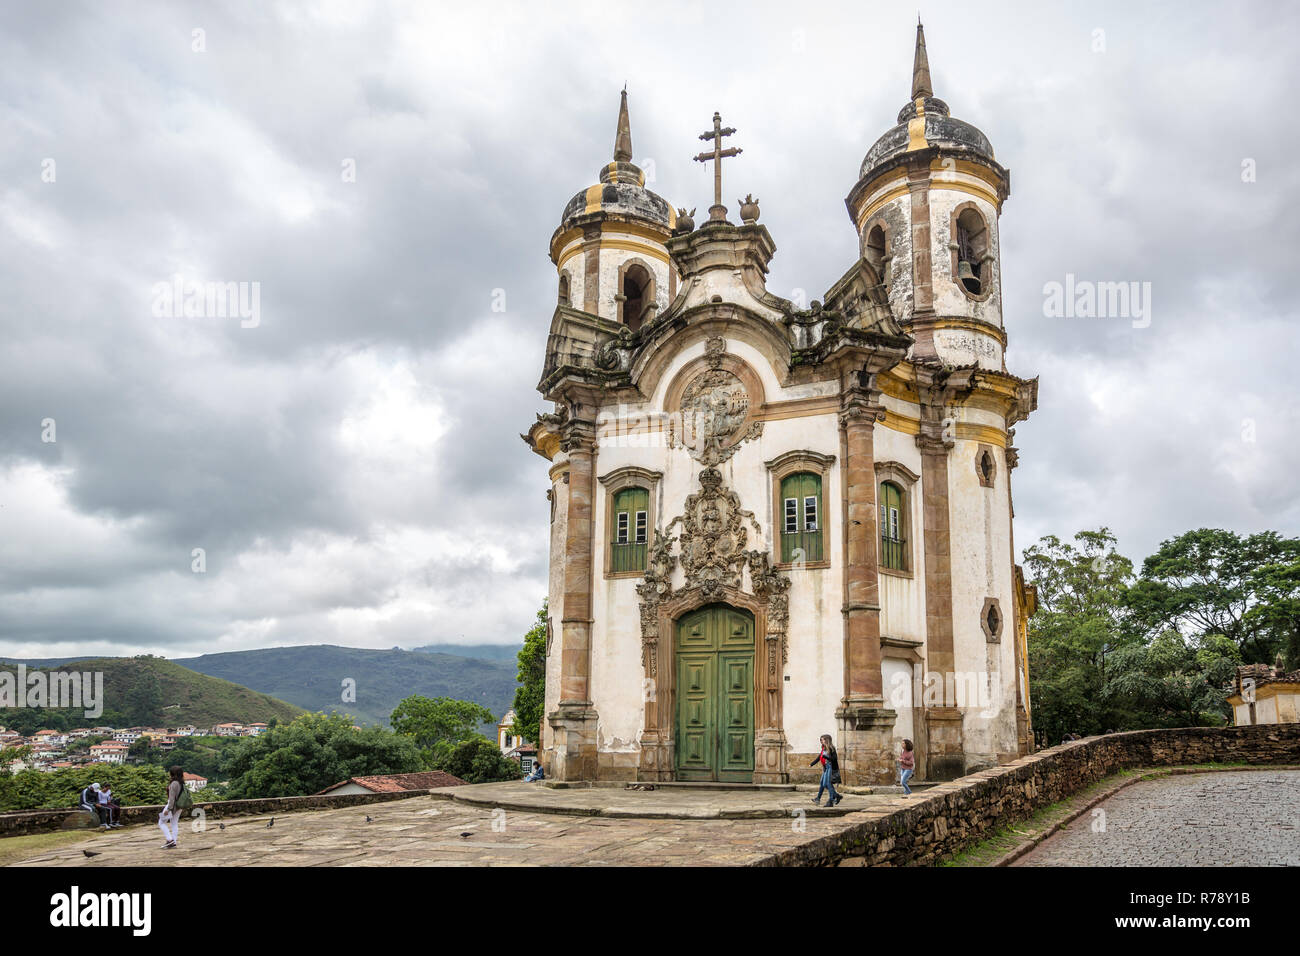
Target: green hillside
[
  {"x": 486, "y": 652},
  {"x": 312, "y": 677},
  {"x": 147, "y": 691}
]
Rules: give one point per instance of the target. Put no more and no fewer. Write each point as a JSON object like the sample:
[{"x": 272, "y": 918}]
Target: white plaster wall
[
  {"x": 1265, "y": 711},
  {"x": 980, "y": 527},
  {"x": 571, "y": 261},
  {"x": 899, "y": 685},
  {"x": 555, "y": 593},
  {"x": 902, "y": 600},
  {"x": 897, "y": 216}
]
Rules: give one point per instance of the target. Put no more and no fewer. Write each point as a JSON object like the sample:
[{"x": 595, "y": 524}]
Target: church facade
[{"x": 771, "y": 522}]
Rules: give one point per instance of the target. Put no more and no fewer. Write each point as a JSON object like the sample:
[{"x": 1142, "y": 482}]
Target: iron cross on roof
[{"x": 717, "y": 212}]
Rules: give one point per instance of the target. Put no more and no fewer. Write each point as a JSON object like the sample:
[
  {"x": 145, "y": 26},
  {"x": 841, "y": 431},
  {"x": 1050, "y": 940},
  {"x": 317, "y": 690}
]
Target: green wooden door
[{"x": 715, "y": 695}]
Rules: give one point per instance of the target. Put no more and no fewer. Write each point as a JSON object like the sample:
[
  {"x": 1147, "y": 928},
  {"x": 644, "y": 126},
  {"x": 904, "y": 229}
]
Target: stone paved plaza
[
  {"x": 1212, "y": 819},
  {"x": 1250, "y": 818},
  {"x": 439, "y": 831}
]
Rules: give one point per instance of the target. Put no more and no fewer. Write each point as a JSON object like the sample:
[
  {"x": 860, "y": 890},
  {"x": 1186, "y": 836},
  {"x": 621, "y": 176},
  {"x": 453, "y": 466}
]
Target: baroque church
[{"x": 771, "y": 522}]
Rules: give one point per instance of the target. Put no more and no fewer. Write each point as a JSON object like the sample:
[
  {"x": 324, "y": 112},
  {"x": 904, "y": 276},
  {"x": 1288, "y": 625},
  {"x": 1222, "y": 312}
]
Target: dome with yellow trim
[
  {"x": 621, "y": 190},
  {"x": 926, "y": 121}
]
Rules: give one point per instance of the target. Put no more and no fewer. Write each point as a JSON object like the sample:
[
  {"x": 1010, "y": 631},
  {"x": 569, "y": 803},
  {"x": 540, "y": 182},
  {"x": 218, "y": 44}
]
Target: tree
[
  {"x": 1277, "y": 615},
  {"x": 1209, "y": 581},
  {"x": 438, "y": 724},
  {"x": 530, "y": 695},
  {"x": 477, "y": 760},
  {"x": 313, "y": 752},
  {"x": 1174, "y": 682},
  {"x": 1079, "y": 626}
]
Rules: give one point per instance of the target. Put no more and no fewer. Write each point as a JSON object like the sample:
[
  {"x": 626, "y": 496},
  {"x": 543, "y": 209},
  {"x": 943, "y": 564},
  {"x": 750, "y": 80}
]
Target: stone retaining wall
[
  {"x": 938, "y": 822},
  {"x": 19, "y": 822}
]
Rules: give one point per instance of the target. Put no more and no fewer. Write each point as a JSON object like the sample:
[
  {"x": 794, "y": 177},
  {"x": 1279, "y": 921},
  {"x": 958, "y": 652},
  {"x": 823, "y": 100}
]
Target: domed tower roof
[
  {"x": 621, "y": 191},
  {"x": 940, "y": 127}
]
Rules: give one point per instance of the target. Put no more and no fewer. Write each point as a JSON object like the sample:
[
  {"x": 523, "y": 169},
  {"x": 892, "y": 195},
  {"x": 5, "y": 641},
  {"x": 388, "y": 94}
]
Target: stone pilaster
[
  {"x": 865, "y": 724},
  {"x": 943, "y": 720},
  {"x": 573, "y": 722}
]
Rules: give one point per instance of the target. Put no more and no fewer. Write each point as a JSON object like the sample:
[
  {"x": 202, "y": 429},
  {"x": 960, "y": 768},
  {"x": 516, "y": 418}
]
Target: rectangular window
[
  {"x": 631, "y": 517},
  {"x": 893, "y": 523},
  {"x": 801, "y": 528}
]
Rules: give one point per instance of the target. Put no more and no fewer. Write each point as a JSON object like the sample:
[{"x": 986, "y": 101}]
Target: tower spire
[
  {"x": 623, "y": 138},
  {"x": 921, "y": 65}
]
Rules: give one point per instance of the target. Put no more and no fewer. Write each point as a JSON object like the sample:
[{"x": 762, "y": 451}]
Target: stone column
[
  {"x": 865, "y": 724},
  {"x": 946, "y": 754},
  {"x": 918, "y": 187},
  {"x": 574, "y": 720}
]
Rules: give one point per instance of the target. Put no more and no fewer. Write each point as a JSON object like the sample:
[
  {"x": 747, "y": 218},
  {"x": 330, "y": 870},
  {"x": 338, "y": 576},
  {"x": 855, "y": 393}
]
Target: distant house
[
  {"x": 109, "y": 752},
  {"x": 1265, "y": 695},
  {"x": 394, "y": 783},
  {"x": 256, "y": 730},
  {"x": 514, "y": 746},
  {"x": 229, "y": 729},
  {"x": 194, "y": 783},
  {"x": 128, "y": 736}
]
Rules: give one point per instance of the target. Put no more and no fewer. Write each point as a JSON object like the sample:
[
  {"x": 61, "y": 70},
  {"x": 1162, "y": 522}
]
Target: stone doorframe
[{"x": 658, "y": 745}]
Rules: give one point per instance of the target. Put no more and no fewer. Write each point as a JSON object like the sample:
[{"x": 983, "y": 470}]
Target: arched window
[
  {"x": 630, "y": 530},
  {"x": 874, "y": 252},
  {"x": 801, "y": 517},
  {"x": 564, "y": 288},
  {"x": 971, "y": 246},
  {"x": 638, "y": 295},
  {"x": 893, "y": 544}
]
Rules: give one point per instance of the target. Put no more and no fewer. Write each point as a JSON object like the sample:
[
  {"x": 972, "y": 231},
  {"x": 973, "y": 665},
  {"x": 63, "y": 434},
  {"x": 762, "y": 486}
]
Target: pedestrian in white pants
[{"x": 169, "y": 821}]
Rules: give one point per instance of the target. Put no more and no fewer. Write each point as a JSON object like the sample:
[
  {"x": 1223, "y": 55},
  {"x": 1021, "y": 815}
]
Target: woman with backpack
[
  {"x": 830, "y": 762},
  {"x": 169, "y": 821}
]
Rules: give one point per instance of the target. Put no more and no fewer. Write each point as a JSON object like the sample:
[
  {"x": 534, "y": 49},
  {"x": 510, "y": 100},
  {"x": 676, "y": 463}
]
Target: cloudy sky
[{"x": 349, "y": 462}]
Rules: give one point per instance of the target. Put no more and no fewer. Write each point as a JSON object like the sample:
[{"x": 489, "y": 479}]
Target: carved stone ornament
[
  {"x": 714, "y": 411},
  {"x": 714, "y": 532}
]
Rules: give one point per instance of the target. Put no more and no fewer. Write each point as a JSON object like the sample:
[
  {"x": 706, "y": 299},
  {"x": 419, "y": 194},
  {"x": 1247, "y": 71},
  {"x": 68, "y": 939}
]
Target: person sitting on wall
[
  {"x": 109, "y": 809},
  {"x": 89, "y": 800},
  {"x": 536, "y": 774}
]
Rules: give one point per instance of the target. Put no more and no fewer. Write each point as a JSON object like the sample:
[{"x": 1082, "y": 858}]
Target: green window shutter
[
  {"x": 631, "y": 530},
  {"x": 801, "y": 529},
  {"x": 892, "y": 545}
]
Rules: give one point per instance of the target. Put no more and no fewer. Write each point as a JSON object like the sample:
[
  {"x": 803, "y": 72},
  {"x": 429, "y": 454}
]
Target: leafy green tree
[
  {"x": 530, "y": 695},
  {"x": 1079, "y": 626},
  {"x": 140, "y": 749},
  {"x": 313, "y": 752},
  {"x": 1276, "y": 616},
  {"x": 438, "y": 724},
  {"x": 478, "y": 760},
  {"x": 1209, "y": 581},
  {"x": 1174, "y": 682},
  {"x": 34, "y": 789}
]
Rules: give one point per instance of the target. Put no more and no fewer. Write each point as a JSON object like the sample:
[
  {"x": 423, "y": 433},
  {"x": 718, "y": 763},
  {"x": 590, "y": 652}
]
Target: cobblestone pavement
[
  {"x": 1251, "y": 818},
  {"x": 433, "y": 831}
]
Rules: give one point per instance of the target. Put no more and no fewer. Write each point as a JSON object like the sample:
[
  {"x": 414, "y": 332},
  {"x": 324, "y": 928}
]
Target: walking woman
[
  {"x": 169, "y": 821},
  {"x": 830, "y": 762},
  {"x": 906, "y": 766}
]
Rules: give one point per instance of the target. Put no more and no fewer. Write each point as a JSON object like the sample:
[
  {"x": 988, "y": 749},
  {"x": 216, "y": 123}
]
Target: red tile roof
[{"x": 397, "y": 782}]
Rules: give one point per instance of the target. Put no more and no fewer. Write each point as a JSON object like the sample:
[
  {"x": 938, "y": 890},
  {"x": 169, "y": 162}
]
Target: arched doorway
[{"x": 714, "y": 723}]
